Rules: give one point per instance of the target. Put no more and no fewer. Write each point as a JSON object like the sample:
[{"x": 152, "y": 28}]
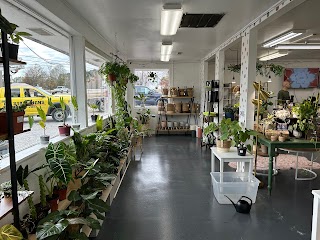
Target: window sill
[{"x": 28, "y": 153}]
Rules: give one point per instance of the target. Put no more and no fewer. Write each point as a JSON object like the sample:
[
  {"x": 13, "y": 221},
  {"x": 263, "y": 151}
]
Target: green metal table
[{"x": 291, "y": 143}]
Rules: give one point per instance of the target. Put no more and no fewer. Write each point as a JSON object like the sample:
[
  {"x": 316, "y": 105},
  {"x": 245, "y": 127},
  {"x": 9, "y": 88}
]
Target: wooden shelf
[
  {"x": 13, "y": 62},
  {"x": 178, "y": 114},
  {"x": 6, "y": 203},
  {"x": 178, "y": 97}
]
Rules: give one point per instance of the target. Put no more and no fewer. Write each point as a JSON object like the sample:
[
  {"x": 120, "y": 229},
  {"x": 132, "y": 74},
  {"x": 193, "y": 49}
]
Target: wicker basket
[{"x": 223, "y": 145}]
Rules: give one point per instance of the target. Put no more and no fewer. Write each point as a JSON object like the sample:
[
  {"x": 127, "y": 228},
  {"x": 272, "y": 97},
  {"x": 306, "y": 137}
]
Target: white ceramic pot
[
  {"x": 297, "y": 134},
  {"x": 170, "y": 124}
]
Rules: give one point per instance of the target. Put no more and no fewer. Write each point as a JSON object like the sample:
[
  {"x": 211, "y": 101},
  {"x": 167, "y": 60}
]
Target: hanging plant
[
  {"x": 234, "y": 68},
  {"x": 152, "y": 76},
  {"x": 262, "y": 69}
]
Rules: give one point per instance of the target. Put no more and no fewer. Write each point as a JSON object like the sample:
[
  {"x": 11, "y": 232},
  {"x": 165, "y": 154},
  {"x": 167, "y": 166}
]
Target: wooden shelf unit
[{"x": 6, "y": 203}]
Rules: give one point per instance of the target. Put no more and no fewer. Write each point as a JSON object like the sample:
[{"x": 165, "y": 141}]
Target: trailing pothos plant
[{"x": 262, "y": 69}]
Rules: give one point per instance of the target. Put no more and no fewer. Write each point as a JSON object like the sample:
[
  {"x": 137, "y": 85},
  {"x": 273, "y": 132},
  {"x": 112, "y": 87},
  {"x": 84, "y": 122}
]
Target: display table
[
  {"x": 289, "y": 144},
  {"x": 231, "y": 156}
]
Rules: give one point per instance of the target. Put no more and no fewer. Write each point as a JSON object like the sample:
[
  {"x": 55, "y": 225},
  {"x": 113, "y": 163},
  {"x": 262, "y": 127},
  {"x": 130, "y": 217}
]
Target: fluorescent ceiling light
[
  {"x": 298, "y": 46},
  {"x": 166, "y": 49},
  {"x": 273, "y": 56},
  {"x": 171, "y": 15},
  {"x": 302, "y": 37},
  {"x": 284, "y": 37},
  {"x": 165, "y": 58}
]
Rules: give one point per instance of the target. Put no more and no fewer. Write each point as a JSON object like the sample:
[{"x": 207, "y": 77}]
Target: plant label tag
[{"x": 20, "y": 119}]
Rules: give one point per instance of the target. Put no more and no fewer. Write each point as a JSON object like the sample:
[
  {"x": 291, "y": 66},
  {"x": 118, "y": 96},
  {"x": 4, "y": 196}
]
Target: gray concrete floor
[{"x": 168, "y": 196}]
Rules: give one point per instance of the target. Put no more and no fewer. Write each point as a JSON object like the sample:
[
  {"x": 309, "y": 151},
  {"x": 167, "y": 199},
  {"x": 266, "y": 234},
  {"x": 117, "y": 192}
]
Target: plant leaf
[
  {"x": 90, "y": 196},
  {"x": 74, "y": 196},
  {"x": 50, "y": 229},
  {"x": 98, "y": 205},
  {"x": 9, "y": 232}
]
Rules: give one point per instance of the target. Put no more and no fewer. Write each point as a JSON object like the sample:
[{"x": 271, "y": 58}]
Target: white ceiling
[
  {"x": 134, "y": 26},
  {"x": 305, "y": 16}
]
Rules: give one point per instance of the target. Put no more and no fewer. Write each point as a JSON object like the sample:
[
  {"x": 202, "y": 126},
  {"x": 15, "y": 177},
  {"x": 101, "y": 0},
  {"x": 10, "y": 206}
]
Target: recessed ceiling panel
[{"x": 200, "y": 20}]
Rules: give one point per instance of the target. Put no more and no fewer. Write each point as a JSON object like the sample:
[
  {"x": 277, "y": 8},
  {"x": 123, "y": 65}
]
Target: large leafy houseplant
[{"x": 227, "y": 129}]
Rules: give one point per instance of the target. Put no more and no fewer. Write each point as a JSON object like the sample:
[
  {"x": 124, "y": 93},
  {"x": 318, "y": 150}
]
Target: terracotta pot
[
  {"x": 64, "y": 130},
  {"x": 61, "y": 192},
  {"x": 112, "y": 77},
  {"x": 18, "y": 118},
  {"x": 163, "y": 124},
  {"x": 53, "y": 201}
]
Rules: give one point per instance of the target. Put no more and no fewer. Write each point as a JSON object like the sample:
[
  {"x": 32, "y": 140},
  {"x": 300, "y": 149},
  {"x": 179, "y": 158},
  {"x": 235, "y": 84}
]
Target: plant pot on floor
[
  {"x": 53, "y": 201},
  {"x": 13, "y": 51},
  {"x": 94, "y": 118},
  {"x": 44, "y": 139},
  {"x": 242, "y": 151},
  {"x": 223, "y": 145},
  {"x": 61, "y": 192},
  {"x": 18, "y": 118},
  {"x": 64, "y": 130}
]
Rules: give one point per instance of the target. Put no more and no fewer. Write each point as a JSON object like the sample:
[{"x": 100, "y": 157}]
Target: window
[
  {"x": 98, "y": 91},
  {"x": 45, "y": 70},
  {"x": 150, "y": 84}
]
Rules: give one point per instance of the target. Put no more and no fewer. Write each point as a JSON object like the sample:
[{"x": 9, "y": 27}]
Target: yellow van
[{"x": 38, "y": 98}]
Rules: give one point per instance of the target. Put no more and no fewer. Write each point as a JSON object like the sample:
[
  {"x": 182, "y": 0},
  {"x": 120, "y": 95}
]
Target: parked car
[
  {"x": 38, "y": 98},
  {"x": 152, "y": 97},
  {"x": 60, "y": 89}
]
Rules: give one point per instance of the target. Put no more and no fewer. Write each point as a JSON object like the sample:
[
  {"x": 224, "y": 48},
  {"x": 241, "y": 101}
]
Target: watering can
[{"x": 242, "y": 206}]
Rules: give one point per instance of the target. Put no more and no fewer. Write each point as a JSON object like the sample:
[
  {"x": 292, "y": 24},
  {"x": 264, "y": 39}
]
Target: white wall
[{"x": 181, "y": 74}]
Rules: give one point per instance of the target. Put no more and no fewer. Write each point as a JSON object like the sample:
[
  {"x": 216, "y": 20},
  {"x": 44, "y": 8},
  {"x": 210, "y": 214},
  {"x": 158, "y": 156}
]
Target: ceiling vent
[
  {"x": 200, "y": 20},
  {"x": 41, "y": 31}
]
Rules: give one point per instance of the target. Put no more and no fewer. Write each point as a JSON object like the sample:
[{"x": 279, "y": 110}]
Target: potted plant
[
  {"x": 209, "y": 131},
  {"x": 18, "y": 118},
  {"x": 14, "y": 37},
  {"x": 44, "y": 139},
  {"x": 64, "y": 130},
  {"x": 59, "y": 161},
  {"x": 133, "y": 78},
  {"x": 227, "y": 128},
  {"x": 229, "y": 112},
  {"x": 93, "y": 107},
  {"x": 240, "y": 138},
  {"x": 75, "y": 125},
  {"x": 6, "y": 188},
  {"x": 110, "y": 70}
]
